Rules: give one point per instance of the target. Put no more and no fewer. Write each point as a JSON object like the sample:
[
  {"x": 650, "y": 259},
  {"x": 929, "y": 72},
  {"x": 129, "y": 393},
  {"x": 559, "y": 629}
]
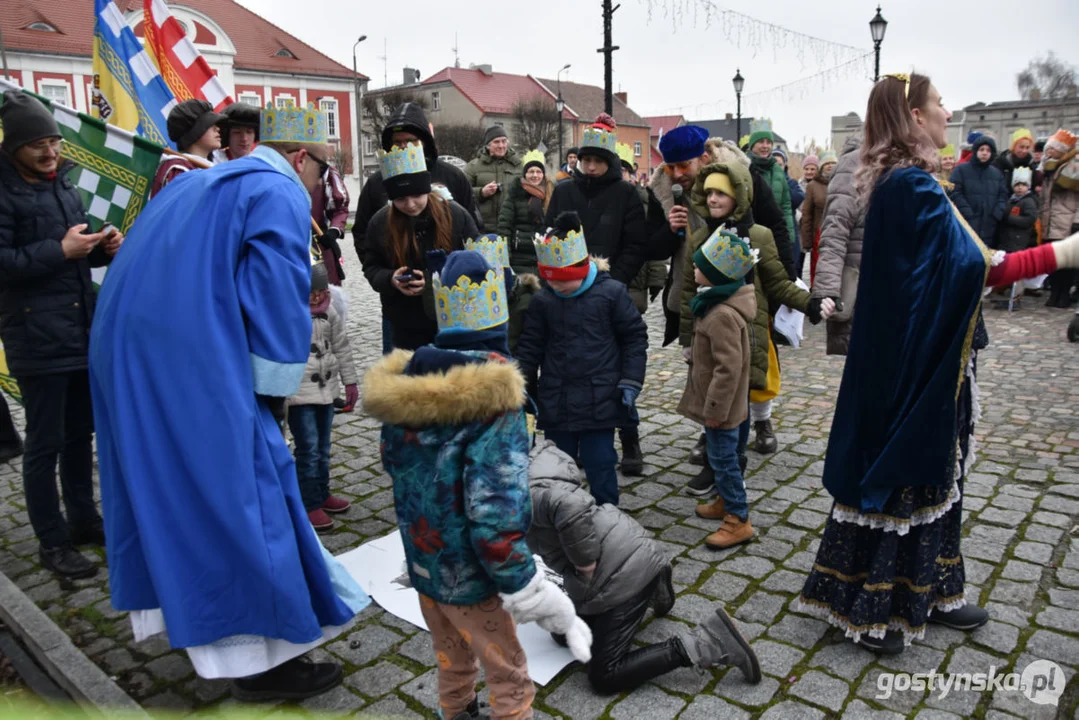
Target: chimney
[
  {"x": 486, "y": 69},
  {"x": 729, "y": 117},
  {"x": 622, "y": 96},
  {"x": 411, "y": 76}
]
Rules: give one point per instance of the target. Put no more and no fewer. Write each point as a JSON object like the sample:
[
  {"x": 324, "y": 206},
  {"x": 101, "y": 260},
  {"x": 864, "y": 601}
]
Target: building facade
[{"x": 50, "y": 51}]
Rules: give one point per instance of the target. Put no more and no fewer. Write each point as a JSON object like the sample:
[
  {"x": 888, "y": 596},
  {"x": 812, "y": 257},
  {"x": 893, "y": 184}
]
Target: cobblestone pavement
[{"x": 1022, "y": 556}]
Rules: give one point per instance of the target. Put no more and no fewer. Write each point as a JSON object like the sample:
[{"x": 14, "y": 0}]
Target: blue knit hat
[
  {"x": 469, "y": 294},
  {"x": 683, "y": 143},
  {"x": 972, "y": 137}
]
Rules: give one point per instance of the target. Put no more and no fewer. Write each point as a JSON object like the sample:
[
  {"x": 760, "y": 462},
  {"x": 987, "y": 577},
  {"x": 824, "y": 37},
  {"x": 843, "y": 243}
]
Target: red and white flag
[{"x": 182, "y": 66}]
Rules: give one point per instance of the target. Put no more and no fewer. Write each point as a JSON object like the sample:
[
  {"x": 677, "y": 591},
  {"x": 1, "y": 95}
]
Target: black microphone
[{"x": 678, "y": 191}]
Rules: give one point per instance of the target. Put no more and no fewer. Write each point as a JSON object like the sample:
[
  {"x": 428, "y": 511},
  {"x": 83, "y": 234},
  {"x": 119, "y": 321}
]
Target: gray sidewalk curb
[{"x": 68, "y": 666}]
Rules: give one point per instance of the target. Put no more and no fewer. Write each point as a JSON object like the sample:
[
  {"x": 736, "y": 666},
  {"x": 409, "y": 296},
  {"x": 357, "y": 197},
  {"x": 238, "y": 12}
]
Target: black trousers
[
  {"x": 615, "y": 667},
  {"x": 9, "y": 434},
  {"x": 59, "y": 425}
]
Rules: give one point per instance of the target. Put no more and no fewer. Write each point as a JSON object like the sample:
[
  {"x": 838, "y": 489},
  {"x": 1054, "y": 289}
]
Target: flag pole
[{"x": 204, "y": 164}]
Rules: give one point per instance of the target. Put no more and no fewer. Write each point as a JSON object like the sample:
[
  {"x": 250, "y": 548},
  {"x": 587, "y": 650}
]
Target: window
[
  {"x": 436, "y": 100},
  {"x": 56, "y": 91},
  {"x": 637, "y": 148},
  {"x": 368, "y": 145},
  {"x": 284, "y": 100},
  {"x": 330, "y": 108},
  {"x": 284, "y": 53},
  {"x": 41, "y": 27},
  {"x": 250, "y": 98}
]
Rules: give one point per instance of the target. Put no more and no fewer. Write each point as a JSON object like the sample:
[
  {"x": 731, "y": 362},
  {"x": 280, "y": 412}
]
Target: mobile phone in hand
[{"x": 108, "y": 228}]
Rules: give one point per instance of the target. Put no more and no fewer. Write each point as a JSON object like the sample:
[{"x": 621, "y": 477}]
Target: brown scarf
[{"x": 537, "y": 204}]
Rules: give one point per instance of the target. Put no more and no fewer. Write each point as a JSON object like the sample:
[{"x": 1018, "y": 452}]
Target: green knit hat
[{"x": 760, "y": 130}]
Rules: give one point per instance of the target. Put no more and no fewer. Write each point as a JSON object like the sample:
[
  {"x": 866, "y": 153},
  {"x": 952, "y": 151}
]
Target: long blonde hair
[{"x": 893, "y": 139}]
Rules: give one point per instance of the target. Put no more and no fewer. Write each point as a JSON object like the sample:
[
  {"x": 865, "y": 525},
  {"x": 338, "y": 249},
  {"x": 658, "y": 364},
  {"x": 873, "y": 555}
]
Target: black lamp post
[
  {"x": 358, "y": 87},
  {"x": 877, "y": 26},
  {"x": 560, "y": 105},
  {"x": 739, "y": 83}
]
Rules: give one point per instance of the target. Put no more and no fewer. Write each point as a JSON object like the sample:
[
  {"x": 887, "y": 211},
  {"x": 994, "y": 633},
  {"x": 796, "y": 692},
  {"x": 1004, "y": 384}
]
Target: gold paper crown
[
  {"x": 561, "y": 252},
  {"x": 597, "y": 138},
  {"x": 293, "y": 124},
  {"x": 408, "y": 160},
  {"x": 533, "y": 156},
  {"x": 471, "y": 306},
  {"x": 493, "y": 248},
  {"x": 729, "y": 254},
  {"x": 760, "y": 125},
  {"x": 625, "y": 153}
]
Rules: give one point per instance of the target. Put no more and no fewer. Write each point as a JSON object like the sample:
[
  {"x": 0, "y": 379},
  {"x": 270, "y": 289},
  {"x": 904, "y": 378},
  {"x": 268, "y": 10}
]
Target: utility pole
[
  {"x": 608, "y": 50},
  {"x": 456, "y": 52},
  {"x": 385, "y": 65}
]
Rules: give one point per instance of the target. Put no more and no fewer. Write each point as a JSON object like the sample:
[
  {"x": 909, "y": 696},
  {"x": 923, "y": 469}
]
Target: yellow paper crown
[
  {"x": 533, "y": 156},
  {"x": 293, "y": 124},
  {"x": 561, "y": 252},
  {"x": 598, "y": 138},
  {"x": 408, "y": 160},
  {"x": 729, "y": 254},
  {"x": 493, "y": 248},
  {"x": 625, "y": 153},
  {"x": 471, "y": 306}
]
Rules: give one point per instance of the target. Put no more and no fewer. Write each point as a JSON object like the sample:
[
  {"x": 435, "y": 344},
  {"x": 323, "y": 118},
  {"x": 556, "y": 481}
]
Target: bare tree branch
[
  {"x": 1047, "y": 78},
  {"x": 462, "y": 140},
  {"x": 377, "y": 109},
  {"x": 536, "y": 122}
]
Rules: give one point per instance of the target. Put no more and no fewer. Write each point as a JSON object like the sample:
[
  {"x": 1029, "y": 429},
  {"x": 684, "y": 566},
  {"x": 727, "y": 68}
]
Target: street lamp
[
  {"x": 359, "y": 103},
  {"x": 739, "y": 83},
  {"x": 560, "y": 105},
  {"x": 877, "y": 26}
]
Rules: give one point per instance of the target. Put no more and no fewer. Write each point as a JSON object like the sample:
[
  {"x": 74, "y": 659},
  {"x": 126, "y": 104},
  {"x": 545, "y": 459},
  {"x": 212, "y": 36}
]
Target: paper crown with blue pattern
[
  {"x": 493, "y": 248},
  {"x": 599, "y": 138},
  {"x": 475, "y": 298},
  {"x": 293, "y": 124},
  {"x": 560, "y": 252},
  {"x": 728, "y": 254},
  {"x": 408, "y": 160}
]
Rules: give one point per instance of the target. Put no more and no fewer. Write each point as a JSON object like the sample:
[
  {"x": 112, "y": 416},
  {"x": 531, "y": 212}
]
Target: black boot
[
  {"x": 88, "y": 535},
  {"x": 663, "y": 598},
  {"x": 702, "y": 485},
  {"x": 891, "y": 644},
  {"x": 67, "y": 562},
  {"x": 297, "y": 679},
  {"x": 697, "y": 456},
  {"x": 632, "y": 461},
  {"x": 766, "y": 442}
]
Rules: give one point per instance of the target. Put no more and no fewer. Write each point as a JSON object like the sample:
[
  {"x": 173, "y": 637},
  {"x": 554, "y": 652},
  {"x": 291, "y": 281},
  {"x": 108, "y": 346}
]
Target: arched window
[
  {"x": 41, "y": 27},
  {"x": 284, "y": 54}
]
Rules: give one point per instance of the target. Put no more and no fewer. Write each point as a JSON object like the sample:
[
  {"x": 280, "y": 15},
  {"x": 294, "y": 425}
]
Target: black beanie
[
  {"x": 572, "y": 151},
  {"x": 493, "y": 133},
  {"x": 320, "y": 277},
  {"x": 25, "y": 120},
  {"x": 400, "y": 186},
  {"x": 190, "y": 120},
  {"x": 242, "y": 115}
]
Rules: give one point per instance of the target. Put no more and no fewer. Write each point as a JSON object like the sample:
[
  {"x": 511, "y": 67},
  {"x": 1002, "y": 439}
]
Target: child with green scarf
[{"x": 717, "y": 390}]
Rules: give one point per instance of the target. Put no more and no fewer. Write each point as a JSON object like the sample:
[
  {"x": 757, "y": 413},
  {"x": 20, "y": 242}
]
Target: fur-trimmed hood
[
  {"x": 602, "y": 263},
  {"x": 529, "y": 282},
  {"x": 463, "y": 394},
  {"x": 740, "y": 179}
]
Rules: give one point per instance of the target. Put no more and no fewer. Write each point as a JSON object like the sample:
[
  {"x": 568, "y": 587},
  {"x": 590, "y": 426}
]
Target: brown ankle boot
[
  {"x": 733, "y": 532},
  {"x": 715, "y": 510}
]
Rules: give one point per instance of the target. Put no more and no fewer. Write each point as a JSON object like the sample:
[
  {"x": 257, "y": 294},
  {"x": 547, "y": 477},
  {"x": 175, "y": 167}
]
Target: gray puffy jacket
[
  {"x": 569, "y": 531},
  {"x": 840, "y": 250}
]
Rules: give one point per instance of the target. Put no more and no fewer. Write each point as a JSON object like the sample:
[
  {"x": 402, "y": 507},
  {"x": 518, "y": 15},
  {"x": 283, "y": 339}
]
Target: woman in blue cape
[{"x": 902, "y": 437}]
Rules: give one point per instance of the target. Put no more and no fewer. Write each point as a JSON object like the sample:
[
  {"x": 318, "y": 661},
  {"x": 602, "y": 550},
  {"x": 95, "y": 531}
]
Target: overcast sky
[{"x": 972, "y": 54}]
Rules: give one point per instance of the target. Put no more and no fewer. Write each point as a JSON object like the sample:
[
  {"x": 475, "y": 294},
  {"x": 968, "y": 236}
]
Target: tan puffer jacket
[{"x": 1060, "y": 203}]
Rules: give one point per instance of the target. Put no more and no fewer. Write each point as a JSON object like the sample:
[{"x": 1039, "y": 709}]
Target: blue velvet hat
[{"x": 683, "y": 143}]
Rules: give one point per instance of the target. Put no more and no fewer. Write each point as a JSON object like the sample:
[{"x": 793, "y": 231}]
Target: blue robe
[
  {"x": 919, "y": 291},
  {"x": 205, "y": 306}
]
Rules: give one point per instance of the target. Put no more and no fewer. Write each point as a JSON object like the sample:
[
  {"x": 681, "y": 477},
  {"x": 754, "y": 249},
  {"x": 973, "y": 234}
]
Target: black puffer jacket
[
  {"x": 46, "y": 301},
  {"x": 1017, "y": 230},
  {"x": 412, "y": 317},
  {"x": 410, "y": 117},
  {"x": 980, "y": 193},
  {"x": 611, "y": 216},
  {"x": 583, "y": 347}
]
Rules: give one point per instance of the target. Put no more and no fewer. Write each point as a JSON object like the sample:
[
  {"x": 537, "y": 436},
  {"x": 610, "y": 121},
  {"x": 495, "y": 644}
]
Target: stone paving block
[
  {"x": 167, "y": 700},
  {"x": 1011, "y": 614},
  {"x": 171, "y": 668},
  {"x": 1034, "y": 552},
  {"x": 998, "y": 636},
  {"x": 732, "y": 686},
  {"x": 761, "y": 607},
  {"x": 648, "y": 701},
  {"x": 1044, "y": 534},
  {"x": 777, "y": 659},
  {"x": 365, "y": 644},
  {"x": 798, "y": 631},
  {"x": 694, "y": 608},
  {"x": 873, "y": 690},
  {"x": 1013, "y": 593},
  {"x": 336, "y": 702},
  {"x": 1068, "y": 599},
  {"x": 117, "y": 661},
  {"x": 660, "y": 629},
  {"x": 800, "y": 562},
  {"x": 576, "y": 698},
  {"x": 790, "y": 710},
  {"x": 770, "y": 548},
  {"x": 689, "y": 681},
  {"x": 858, "y": 710},
  {"x": 821, "y": 689},
  {"x": 843, "y": 659},
  {"x": 378, "y": 680},
  {"x": 784, "y": 581},
  {"x": 724, "y": 586},
  {"x": 1054, "y": 646},
  {"x": 1022, "y": 571},
  {"x": 705, "y": 707},
  {"x": 914, "y": 659},
  {"x": 748, "y": 565},
  {"x": 686, "y": 571}
]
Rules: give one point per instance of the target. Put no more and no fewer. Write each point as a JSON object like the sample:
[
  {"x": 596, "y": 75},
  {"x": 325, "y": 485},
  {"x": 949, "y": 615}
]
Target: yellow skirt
[{"x": 771, "y": 389}]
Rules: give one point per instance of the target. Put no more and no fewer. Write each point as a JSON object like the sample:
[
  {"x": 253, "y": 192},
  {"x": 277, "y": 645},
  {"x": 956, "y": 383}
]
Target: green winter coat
[
  {"x": 772, "y": 173},
  {"x": 518, "y": 224},
  {"x": 770, "y": 281},
  {"x": 485, "y": 169}
]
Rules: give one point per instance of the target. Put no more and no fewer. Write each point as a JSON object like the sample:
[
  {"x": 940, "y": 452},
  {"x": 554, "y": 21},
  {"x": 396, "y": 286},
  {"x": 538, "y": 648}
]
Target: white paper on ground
[
  {"x": 377, "y": 565},
  {"x": 789, "y": 323}
]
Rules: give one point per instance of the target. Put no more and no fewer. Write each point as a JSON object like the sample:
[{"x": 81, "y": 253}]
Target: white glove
[
  {"x": 541, "y": 602},
  {"x": 1067, "y": 252}
]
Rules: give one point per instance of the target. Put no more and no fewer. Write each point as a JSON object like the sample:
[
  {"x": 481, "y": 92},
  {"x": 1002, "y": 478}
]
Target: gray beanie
[
  {"x": 25, "y": 120},
  {"x": 493, "y": 133},
  {"x": 320, "y": 278}
]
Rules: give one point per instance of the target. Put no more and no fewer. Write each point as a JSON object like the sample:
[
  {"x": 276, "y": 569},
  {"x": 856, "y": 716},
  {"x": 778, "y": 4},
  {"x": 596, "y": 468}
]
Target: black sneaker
[
  {"x": 297, "y": 679},
  {"x": 968, "y": 617},
  {"x": 472, "y": 712},
  {"x": 67, "y": 562},
  {"x": 890, "y": 644},
  {"x": 88, "y": 535},
  {"x": 663, "y": 599},
  {"x": 704, "y": 484},
  {"x": 699, "y": 451},
  {"x": 632, "y": 460},
  {"x": 766, "y": 442}
]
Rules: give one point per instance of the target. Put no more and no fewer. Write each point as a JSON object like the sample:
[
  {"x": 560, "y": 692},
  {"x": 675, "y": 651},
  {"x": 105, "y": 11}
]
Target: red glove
[{"x": 352, "y": 394}]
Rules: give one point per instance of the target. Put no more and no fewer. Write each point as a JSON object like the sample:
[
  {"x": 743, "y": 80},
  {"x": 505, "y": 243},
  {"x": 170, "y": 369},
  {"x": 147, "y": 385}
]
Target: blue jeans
[
  {"x": 387, "y": 336},
  {"x": 598, "y": 457},
  {"x": 723, "y": 457},
  {"x": 310, "y": 426}
]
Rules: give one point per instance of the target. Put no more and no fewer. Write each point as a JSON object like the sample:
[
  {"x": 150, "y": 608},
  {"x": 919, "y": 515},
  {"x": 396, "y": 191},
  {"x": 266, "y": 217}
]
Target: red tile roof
[
  {"x": 493, "y": 94},
  {"x": 587, "y": 102},
  {"x": 256, "y": 39},
  {"x": 663, "y": 123}
]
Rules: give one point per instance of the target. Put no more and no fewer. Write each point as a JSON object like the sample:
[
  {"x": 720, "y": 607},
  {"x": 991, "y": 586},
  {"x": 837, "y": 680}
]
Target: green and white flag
[{"x": 115, "y": 168}]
